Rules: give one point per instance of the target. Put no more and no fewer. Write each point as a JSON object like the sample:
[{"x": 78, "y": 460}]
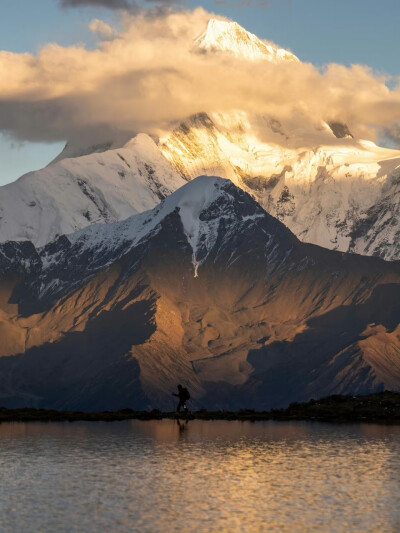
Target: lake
[{"x": 213, "y": 476}]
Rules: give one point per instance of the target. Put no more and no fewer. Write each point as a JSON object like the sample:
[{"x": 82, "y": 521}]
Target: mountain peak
[
  {"x": 206, "y": 207},
  {"x": 229, "y": 36},
  {"x": 191, "y": 202}
]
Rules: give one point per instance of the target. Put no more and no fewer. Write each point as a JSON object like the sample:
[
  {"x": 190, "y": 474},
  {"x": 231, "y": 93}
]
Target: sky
[{"x": 321, "y": 32}]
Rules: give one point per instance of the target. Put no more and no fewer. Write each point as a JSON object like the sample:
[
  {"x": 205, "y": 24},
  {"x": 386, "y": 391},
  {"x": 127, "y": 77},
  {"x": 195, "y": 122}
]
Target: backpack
[{"x": 186, "y": 394}]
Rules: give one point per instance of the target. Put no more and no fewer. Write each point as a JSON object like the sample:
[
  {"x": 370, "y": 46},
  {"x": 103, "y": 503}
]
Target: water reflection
[
  {"x": 182, "y": 426},
  {"x": 199, "y": 476}
]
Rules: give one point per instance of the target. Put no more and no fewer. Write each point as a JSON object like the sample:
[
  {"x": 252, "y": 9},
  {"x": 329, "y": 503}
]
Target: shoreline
[{"x": 383, "y": 408}]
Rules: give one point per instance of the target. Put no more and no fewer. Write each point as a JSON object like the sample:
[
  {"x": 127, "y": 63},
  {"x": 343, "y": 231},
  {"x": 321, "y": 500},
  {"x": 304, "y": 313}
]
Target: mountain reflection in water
[{"x": 161, "y": 476}]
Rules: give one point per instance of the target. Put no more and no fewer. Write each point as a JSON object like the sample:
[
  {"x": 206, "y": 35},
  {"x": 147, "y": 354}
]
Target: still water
[{"x": 202, "y": 477}]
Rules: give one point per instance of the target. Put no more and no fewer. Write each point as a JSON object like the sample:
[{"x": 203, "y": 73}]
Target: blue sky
[{"x": 317, "y": 31}]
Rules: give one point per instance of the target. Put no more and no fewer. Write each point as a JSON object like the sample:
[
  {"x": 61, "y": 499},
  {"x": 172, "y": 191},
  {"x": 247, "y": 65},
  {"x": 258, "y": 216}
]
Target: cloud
[
  {"x": 150, "y": 76},
  {"x": 102, "y": 29},
  {"x": 391, "y": 135},
  {"x": 110, "y": 4},
  {"x": 128, "y": 5}
]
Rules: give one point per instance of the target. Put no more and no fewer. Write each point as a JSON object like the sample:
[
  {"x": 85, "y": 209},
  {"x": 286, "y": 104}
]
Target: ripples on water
[{"x": 211, "y": 476}]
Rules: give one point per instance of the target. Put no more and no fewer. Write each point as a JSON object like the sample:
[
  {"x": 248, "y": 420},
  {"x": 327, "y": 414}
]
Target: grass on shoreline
[{"x": 383, "y": 407}]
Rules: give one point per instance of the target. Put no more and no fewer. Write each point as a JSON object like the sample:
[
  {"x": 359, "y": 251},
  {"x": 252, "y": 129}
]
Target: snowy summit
[{"x": 225, "y": 36}]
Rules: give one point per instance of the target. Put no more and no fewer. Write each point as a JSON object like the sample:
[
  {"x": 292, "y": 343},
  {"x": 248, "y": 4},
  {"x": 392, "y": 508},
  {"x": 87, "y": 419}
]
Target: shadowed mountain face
[{"x": 207, "y": 290}]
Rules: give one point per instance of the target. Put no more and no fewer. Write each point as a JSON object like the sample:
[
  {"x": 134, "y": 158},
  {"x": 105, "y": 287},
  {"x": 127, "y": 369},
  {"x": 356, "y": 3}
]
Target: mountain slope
[
  {"x": 339, "y": 193},
  {"x": 206, "y": 289},
  {"x": 73, "y": 193},
  {"x": 224, "y": 36}
]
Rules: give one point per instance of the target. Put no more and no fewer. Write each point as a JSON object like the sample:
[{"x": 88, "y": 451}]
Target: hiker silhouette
[{"x": 184, "y": 396}]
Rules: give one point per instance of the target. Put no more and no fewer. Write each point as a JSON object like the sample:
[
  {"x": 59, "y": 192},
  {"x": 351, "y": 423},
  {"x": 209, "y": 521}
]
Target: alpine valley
[{"x": 253, "y": 259}]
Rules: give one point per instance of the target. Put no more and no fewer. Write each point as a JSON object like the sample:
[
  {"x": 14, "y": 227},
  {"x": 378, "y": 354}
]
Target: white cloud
[
  {"x": 102, "y": 29},
  {"x": 149, "y": 76}
]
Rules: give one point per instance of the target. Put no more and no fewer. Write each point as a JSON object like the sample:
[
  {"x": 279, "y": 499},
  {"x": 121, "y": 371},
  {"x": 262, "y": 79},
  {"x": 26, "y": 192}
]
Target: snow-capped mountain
[
  {"x": 206, "y": 289},
  {"x": 225, "y": 36},
  {"x": 328, "y": 187},
  {"x": 73, "y": 193},
  {"x": 92, "y": 144},
  {"x": 340, "y": 193}
]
